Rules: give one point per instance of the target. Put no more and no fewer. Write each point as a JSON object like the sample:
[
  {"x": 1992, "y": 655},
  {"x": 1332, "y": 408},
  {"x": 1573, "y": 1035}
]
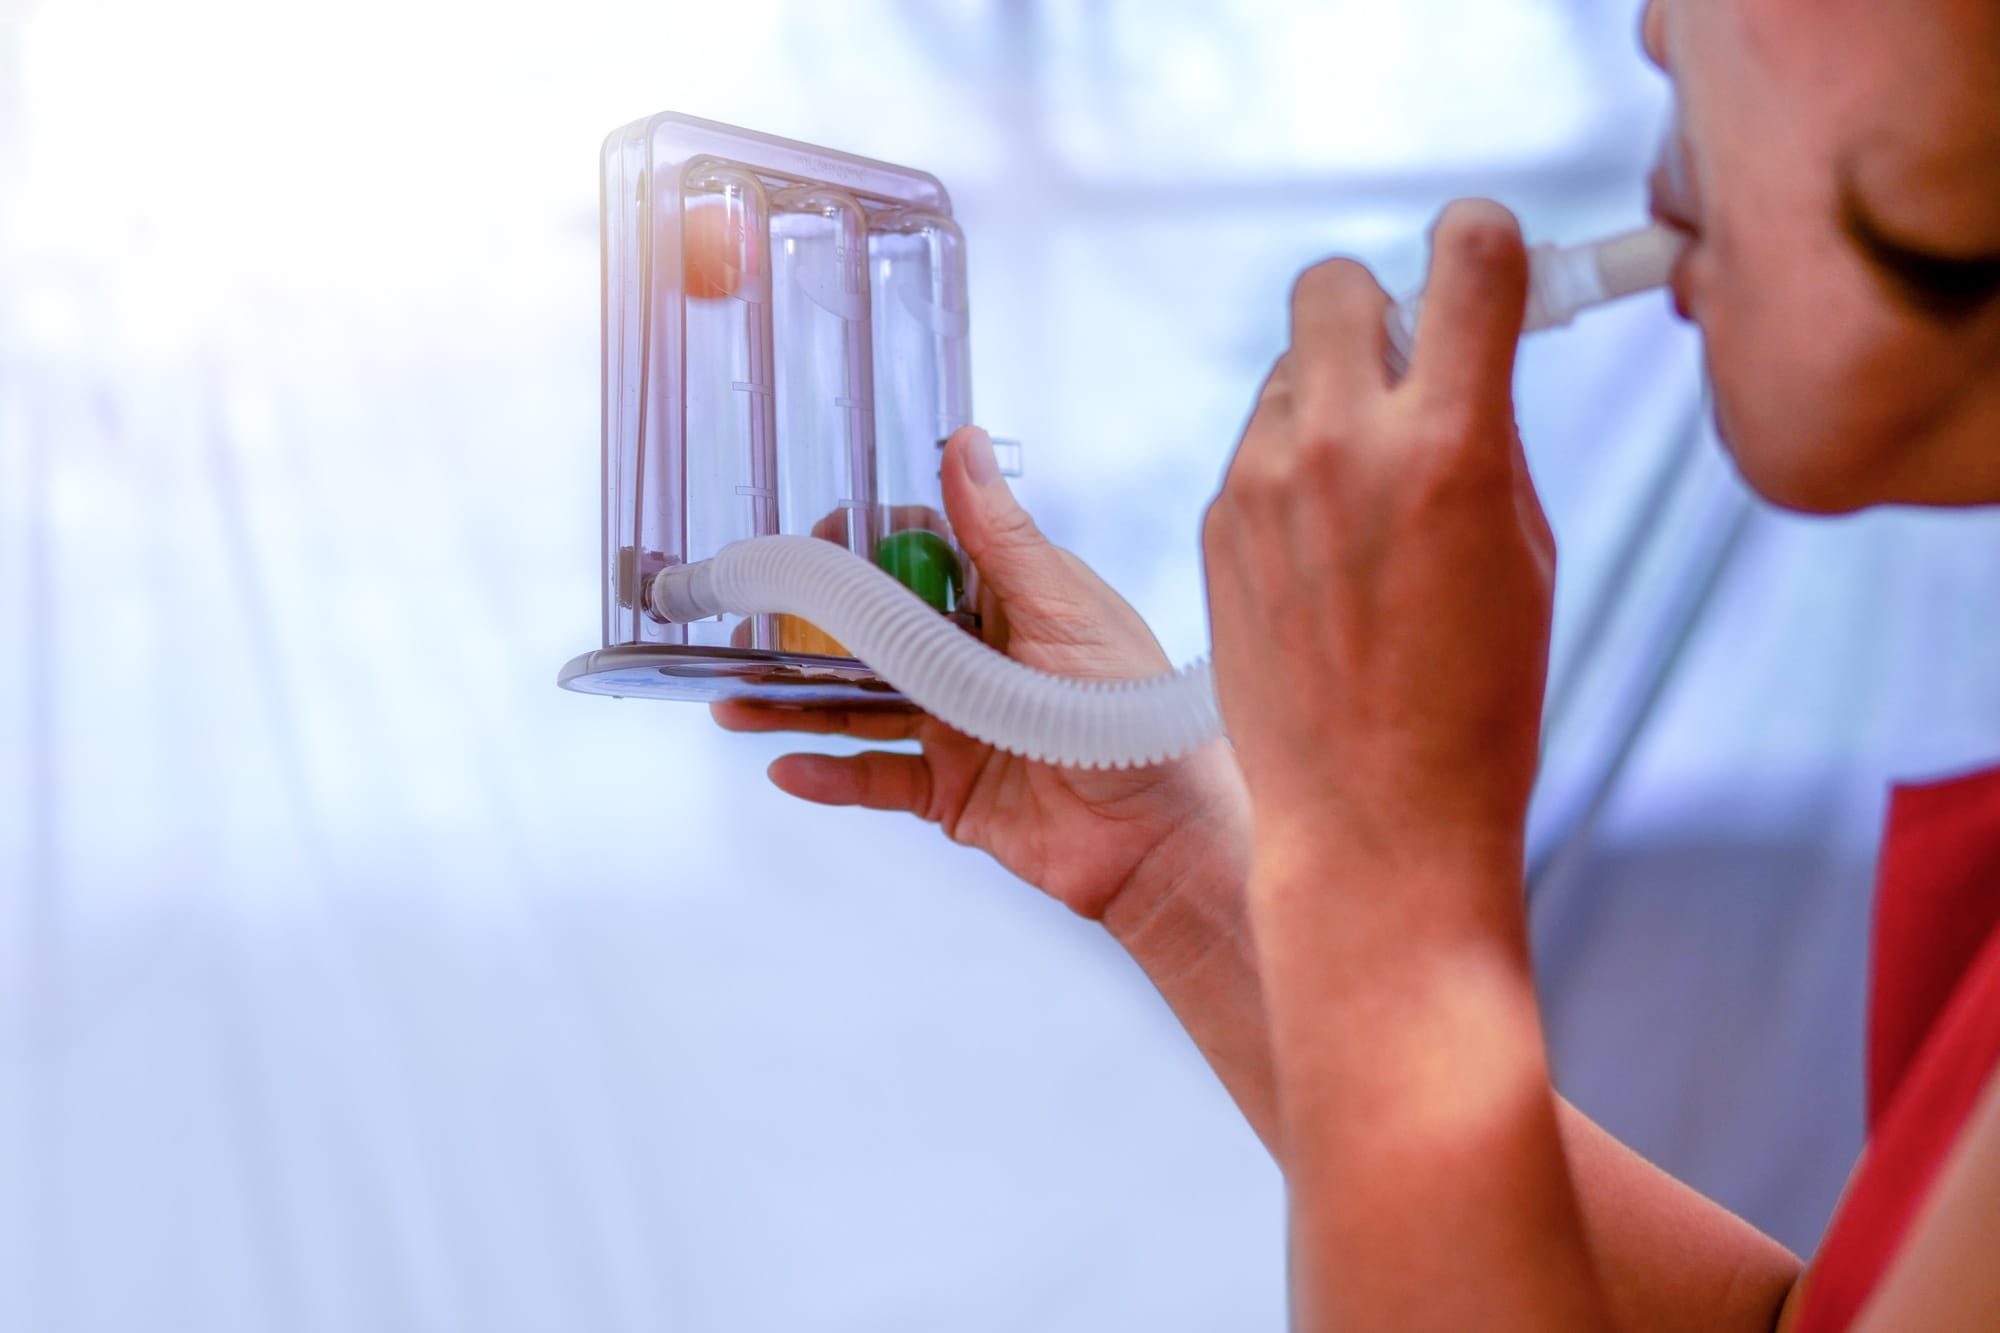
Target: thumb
[{"x": 1003, "y": 541}]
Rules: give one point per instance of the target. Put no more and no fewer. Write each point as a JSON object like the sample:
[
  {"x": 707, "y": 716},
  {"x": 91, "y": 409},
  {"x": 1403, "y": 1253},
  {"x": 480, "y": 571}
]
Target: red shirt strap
[
  {"x": 1934, "y": 1028},
  {"x": 1937, "y": 900}
]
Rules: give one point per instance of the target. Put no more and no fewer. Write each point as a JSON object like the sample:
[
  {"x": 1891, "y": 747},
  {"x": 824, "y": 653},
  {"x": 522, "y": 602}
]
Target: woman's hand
[
  {"x": 1380, "y": 573},
  {"x": 1380, "y": 579},
  {"x": 1082, "y": 836}
]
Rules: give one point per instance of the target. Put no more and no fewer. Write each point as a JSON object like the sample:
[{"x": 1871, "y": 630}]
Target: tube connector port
[{"x": 683, "y": 594}]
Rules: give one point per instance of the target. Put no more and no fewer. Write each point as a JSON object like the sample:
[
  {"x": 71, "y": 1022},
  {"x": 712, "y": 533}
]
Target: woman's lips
[
  {"x": 1668, "y": 206},
  {"x": 1675, "y": 202},
  {"x": 1680, "y": 281},
  {"x": 1680, "y": 287},
  {"x": 1663, "y": 213},
  {"x": 1668, "y": 201}
]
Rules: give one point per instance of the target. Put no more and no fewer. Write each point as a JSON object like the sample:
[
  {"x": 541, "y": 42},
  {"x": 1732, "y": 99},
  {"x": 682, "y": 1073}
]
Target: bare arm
[
  {"x": 1428, "y": 1183},
  {"x": 1668, "y": 1258},
  {"x": 1380, "y": 587},
  {"x": 1162, "y": 858}
]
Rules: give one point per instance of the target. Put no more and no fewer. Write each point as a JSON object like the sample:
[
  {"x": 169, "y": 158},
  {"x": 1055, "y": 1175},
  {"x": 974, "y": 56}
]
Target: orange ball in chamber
[{"x": 717, "y": 251}]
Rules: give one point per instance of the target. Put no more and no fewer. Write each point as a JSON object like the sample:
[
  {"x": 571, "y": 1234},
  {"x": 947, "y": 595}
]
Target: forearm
[
  {"x": 1670, "y": 1258},
  {"x": 1667, "y": 1257},
  {"x": 1426, "y": 1173}
]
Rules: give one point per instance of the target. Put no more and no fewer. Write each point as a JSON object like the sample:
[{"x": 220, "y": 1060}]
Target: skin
[
  {"x": 1333, "y": 906},
  {"x": 1836, "y": 388}
]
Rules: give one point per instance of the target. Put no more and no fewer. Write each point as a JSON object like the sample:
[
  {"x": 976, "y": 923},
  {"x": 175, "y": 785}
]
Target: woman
[{"x": 1334, "y": 906}]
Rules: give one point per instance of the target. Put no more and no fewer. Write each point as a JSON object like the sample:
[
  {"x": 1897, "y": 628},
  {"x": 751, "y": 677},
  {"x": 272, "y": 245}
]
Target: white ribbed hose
[
  {"x": 941, "y": 668},
  {"x": 1077, "y": 723}
]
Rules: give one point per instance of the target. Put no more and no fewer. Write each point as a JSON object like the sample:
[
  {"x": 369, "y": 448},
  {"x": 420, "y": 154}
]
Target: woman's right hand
[{"x": 1083, "y": 836}]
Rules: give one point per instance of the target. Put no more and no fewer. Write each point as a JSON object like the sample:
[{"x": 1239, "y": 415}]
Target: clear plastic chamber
[{"x": 785, "y": 351}]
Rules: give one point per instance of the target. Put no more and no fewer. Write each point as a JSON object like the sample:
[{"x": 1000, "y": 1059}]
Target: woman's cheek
[
  {"x": 1818, "y": 396},
  {"x": 1755, "y": 374}
]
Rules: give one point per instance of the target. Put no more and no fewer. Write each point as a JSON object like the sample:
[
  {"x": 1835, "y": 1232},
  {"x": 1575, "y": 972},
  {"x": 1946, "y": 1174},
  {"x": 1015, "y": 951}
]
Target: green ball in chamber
[{"x": 923, "y": 562}]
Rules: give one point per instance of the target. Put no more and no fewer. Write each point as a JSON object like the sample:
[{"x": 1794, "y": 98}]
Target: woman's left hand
[{"x": 1381, "y": 576}]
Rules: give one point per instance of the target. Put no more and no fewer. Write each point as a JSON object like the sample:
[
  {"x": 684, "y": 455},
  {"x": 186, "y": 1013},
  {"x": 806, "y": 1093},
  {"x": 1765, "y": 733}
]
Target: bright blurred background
[{"x": 354, "y": 977}]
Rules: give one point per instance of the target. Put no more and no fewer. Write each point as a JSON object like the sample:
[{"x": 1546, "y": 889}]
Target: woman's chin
[{"x": 1791, "y": 473}]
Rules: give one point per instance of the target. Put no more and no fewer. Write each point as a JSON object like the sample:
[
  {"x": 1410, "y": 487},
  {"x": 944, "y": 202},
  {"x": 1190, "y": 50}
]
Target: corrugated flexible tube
[{"x": 988, "y": 695}]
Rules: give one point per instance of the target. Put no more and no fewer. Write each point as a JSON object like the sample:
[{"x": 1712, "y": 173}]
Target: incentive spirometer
[{"x": 785, "y": 343}]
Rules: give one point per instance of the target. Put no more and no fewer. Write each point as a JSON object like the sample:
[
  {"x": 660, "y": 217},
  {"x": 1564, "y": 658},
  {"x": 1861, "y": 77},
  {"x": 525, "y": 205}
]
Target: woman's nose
[{"x": 1653, "y": 31}]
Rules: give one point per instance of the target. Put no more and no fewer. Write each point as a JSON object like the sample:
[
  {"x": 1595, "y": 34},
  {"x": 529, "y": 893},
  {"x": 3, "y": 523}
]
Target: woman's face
[{"x": 1838, "y": 168}]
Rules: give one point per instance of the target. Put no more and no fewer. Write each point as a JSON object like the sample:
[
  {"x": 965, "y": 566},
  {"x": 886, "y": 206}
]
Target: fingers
[
  {"x": 875, "y": 780},
  {"x": 1012, "y": 555},
  {"x": 831, "y": 527},
  {"x": 867, "y": 724},
  {"x": 1326, "y": 382},
  {"x": 1474, "y": 304},
  {"x": 1337, "y": 362}
]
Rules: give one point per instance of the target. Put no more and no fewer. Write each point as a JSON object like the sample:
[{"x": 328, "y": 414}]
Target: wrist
[
  {"x": 1439, "y": 834},
  {"x": 1181, "y": 916},
  {"x": 1376, "y": 902},
  {"x": 1186, "y": 892}
]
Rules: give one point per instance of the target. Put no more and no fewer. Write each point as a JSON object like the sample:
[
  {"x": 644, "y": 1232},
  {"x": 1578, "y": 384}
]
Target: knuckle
[
  {"x": 1278, "y": 386},
  {"x": 1246, "y": 486},
  {"x": 1214, "y": 527},
  {"x": 1015, "y": 529},
  {"x": 1256, "y": 490},
  {"x": 871, "y": 780},
  {"x": 1544, "y": 539},
  {"x": 1217, "y": 527},
  {"x": 1322, "y": 403},
  {"x": 1319, "y": 453}
]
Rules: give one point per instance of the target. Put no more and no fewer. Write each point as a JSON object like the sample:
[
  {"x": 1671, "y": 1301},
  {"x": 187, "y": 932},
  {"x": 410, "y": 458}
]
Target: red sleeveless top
[{"x": 1933, "y": 1028}]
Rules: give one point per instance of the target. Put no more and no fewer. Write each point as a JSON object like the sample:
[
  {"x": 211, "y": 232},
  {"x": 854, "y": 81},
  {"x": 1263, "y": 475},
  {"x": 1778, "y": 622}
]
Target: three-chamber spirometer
[{"x": 786, "y": 351}]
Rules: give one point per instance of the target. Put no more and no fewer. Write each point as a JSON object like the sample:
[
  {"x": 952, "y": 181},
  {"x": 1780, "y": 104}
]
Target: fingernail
[{"x": 980, "y": 463}]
